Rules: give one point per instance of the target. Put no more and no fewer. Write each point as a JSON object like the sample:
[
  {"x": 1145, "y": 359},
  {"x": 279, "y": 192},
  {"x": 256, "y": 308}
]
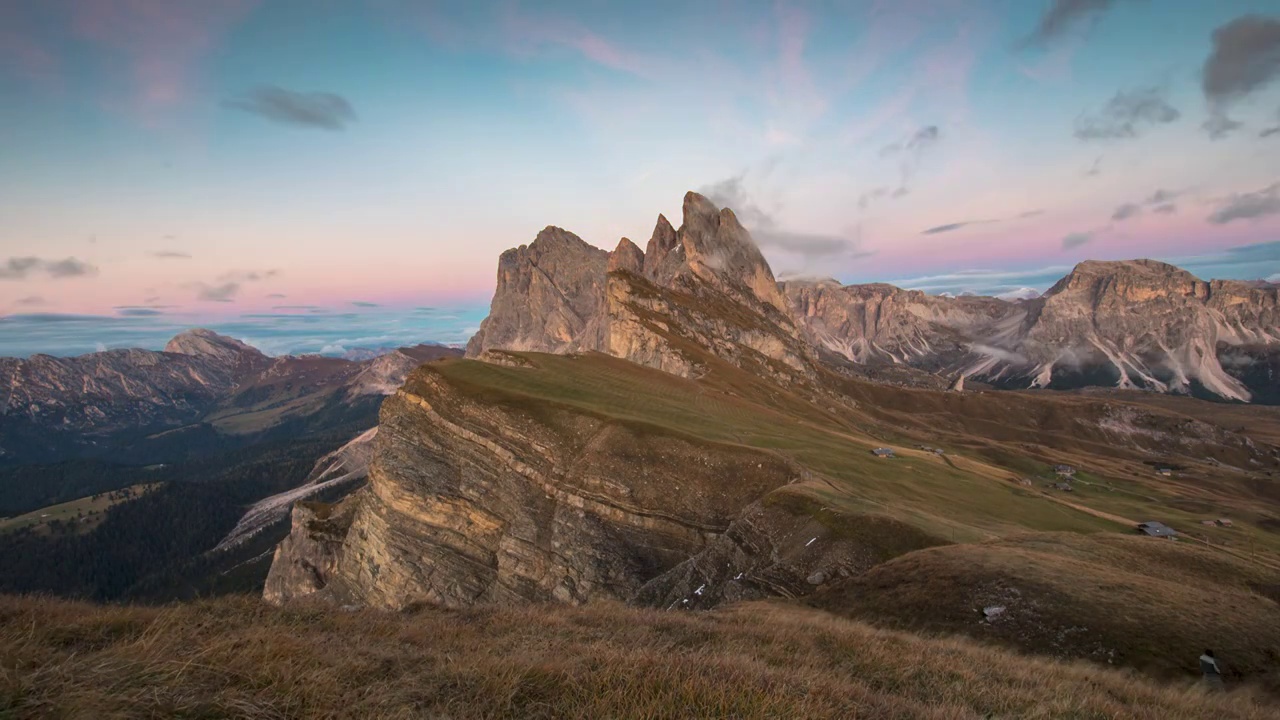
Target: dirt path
[{"x": 1091, "y": 511}]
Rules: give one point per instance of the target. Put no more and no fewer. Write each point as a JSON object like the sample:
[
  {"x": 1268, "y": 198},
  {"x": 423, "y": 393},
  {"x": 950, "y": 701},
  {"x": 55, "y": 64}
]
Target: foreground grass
[
  {"x": 1145, "y": 603},
  {"x": 237, "y": 657}
]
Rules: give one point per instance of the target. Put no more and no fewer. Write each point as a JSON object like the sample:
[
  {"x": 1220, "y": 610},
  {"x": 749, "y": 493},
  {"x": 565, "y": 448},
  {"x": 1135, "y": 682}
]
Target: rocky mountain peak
[
  {"x": 548, "y": 292},
  {"x": 1142, "y": 277},
  {"x": 209, "y": 344},
  {"x": 626, "y": 257},
  {"x": 720, "y": 251}
]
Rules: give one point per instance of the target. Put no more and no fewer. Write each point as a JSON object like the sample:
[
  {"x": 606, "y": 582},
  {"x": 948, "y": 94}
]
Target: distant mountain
[
  {"x": 1135, "y": 324},
  {"x": 105, "y": 404}
]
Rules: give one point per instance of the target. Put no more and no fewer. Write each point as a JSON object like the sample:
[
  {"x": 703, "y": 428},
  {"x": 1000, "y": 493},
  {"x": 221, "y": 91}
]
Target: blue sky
[{"x": 215, "y": 161}]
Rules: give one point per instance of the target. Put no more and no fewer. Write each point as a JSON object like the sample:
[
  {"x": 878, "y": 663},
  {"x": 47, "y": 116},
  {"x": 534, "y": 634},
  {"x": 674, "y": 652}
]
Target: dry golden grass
[
  {"x": 1146, "y": 603},
  {"x": 237, "y": 657}
]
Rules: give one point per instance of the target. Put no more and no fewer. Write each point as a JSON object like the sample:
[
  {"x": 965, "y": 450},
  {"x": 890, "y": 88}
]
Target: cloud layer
[{"x": 274, "y": 333}]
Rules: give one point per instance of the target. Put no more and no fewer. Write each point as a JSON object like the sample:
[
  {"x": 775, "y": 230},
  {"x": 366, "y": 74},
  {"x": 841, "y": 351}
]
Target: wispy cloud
[
  {"x": 31, "y": 301},
  {"x": 909, "y": 153},
  {"x": 20, "y": 268},
  {"x": 1248, "y": 206},
  {"x": 324, "y": 110},
  {"x": 1063, "y": 15},
  {"x": 952, "y": 227},
  {"x": 528, "y": 32},
  {"x": 363, "y": 304},
  {"x": 223, "y": 292},
  {"x": 765, "y": 229},
  {"x": 138, "y": 312},
  {"x": 1126, "y": 115},
  {"x": 228, "y": 285},
  {"x": 171, "y": 255},
  {"x": 1161, "y": 202},
  {"x": 1126, "y": 211}
]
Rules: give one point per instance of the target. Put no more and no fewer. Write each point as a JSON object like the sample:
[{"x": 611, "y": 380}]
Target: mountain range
[
  {"x": 673, "y": 428},
  {"x": 1132, "y": 324},
  {"x": 202, "y": 387}
]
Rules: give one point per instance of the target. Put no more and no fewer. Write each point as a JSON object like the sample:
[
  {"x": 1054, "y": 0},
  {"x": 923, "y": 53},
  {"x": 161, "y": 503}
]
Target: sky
[{"x": 310, "y": 174}]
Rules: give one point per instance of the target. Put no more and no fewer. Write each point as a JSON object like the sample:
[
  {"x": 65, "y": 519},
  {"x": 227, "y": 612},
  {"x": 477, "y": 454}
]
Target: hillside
[
  {"x": 1122, "y": 600},
  {"x": 237, "y": 658}
]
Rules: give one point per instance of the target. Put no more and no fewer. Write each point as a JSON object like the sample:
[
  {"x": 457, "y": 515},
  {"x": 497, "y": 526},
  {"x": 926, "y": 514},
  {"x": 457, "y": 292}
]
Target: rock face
[
  {"x": 706, "y": 283},
  {"x": 550, "y": 297},
  {"x": 306, "y": 559},
  {"x": 210, "y": 346},
  {"x": 473, "y": 502},
  {"x": 1126, "y": 324},
  {"x": 879, "y": 323},
  {"x": 119, "y": 389}
]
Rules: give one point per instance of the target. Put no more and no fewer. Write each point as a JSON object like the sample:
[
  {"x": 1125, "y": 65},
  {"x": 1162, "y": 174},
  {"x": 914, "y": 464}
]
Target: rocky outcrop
[
  {"x": 306, "y": 561},
  {"x": 705, "y": 284},
  {"x": 626, "y": 257},
  {"x": 1152, "y": 324},
  {"x": 879, "y": 323},
  {"x": 210, "y": 346},
  {"x": 549, "y": 298},
  {"x": 475, "y": 501},
  {"x": 117, "y": 390}
]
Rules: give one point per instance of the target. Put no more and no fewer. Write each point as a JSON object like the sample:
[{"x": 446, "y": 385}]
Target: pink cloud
[
  {"x": 160, "y": 42},
  {"x": 532, "y": 33}
]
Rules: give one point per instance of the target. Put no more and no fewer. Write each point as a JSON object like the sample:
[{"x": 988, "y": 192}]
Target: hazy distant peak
[
  {"x": 207, "y": 343},
  {"x": 1144, "y": 272}
]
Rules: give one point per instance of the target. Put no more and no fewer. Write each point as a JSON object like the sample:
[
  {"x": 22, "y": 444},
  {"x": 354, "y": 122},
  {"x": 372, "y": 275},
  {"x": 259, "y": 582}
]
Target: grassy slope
[
  {"x": 68, "y": 511},
  {"x": 1144, "y": 602},
  {"x": 1084, "y": 577},
  {"x": 960, "y": 499},
  {"x": 235, "y": 657}
]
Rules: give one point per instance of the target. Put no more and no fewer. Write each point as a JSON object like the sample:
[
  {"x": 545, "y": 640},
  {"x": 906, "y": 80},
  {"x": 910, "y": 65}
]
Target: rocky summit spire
[
  {"x": 719, "y": 250},
  {"x": 626, "y": 257},
  {"x": 664, "y": 257}
]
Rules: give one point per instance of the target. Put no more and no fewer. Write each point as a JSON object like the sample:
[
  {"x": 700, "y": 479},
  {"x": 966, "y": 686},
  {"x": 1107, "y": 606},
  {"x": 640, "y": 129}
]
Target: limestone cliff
[
  {"x": 705, "y": 284},
  {"x": 549, "y": 298},
  {"x": 305, "y": 561},
  {"x": 473, "y": 501}
]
